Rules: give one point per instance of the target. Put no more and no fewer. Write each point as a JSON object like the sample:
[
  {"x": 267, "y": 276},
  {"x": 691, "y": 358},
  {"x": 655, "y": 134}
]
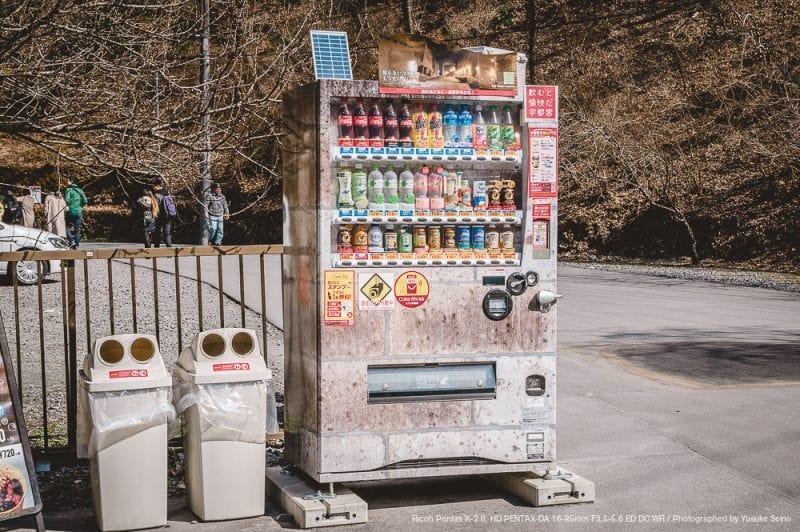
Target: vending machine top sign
[{"x": 414, "y": 64}]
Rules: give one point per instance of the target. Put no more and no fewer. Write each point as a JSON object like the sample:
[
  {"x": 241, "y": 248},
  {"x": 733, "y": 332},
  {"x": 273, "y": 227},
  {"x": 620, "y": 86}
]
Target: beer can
[
  {"x": 463, "y": 237},
  {"x": 478, "y": 237},
  {"x": 435, "y": 238}
]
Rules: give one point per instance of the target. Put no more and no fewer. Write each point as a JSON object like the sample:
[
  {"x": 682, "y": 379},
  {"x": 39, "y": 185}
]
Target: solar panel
[{"x": 331, "y": 55}]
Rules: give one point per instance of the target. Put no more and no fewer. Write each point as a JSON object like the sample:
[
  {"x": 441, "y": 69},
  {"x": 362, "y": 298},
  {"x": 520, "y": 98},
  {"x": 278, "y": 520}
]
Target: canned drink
[
  {"x": 420, "y": 238},
  {"x": 390, "y": 239},
  {"x": 449, "y": 237},
  {"x": 361, "y": 237},
  {"x": 463, "y": 237},
  {"x": 478, "y": 237},
  {"x": 507, "y": 238},
  {"x": 344, "y": 239},
  {"x": 435, "y": 238},
  {"x": 492, "y": 237}
]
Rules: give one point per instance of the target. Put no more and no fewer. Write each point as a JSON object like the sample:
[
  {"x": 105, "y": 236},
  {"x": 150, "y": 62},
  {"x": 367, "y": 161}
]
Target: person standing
[
  {"x": 216, "y": 212},
  {"x": 76, "y": 200},
  {"x": 148, "y": 214},
  {"x": 168, "y": 213},
  {"x": 54, "y": 208}
]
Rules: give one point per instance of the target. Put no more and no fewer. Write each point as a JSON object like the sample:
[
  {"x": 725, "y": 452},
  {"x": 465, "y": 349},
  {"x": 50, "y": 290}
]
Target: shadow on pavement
[{"x": 719, "y": 363}]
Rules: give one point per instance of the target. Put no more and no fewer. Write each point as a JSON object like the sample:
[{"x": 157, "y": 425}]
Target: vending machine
[{"x": 419, "y": 280}]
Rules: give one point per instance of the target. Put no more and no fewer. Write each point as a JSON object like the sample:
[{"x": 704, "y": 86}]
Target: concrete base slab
[
  {"x": 542, "y": 489},
  {"x": 289, "y": 492}
]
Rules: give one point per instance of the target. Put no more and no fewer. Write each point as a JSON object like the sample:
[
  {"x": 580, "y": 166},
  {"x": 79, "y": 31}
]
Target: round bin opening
[
  {"x": 111, "y": 351},
  {"x": 242, "y": 343},
  {"x": 142, "y": 350},
  {"x": 213, "y": 345}
]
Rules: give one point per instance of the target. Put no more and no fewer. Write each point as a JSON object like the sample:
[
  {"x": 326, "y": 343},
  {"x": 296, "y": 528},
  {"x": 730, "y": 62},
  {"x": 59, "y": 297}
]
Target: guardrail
[{"x": 102, "y": 291}]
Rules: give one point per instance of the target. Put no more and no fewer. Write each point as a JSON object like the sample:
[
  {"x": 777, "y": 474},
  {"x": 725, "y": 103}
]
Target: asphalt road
[{"x": 676, "y": 398}]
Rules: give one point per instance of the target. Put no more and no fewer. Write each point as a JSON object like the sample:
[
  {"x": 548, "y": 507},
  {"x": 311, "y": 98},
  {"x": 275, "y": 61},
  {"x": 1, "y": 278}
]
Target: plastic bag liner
[
  {"x": 230, "y": 411},
  {"x": 106, "y": 418},
  {"x": 272, "y": 410}
]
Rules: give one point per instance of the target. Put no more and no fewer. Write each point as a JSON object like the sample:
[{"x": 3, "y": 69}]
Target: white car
[{"x": 20, "y": 238}]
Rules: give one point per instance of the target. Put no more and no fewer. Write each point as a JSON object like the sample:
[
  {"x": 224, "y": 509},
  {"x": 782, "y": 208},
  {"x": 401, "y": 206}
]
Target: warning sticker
[
  {"x": 411, "y": 289},
  {"x": 535, "y": 418},
  {"x": 127, "y": 373},
  {"x": 375, "y": 291},
  {"x": 232, "y": 366}
]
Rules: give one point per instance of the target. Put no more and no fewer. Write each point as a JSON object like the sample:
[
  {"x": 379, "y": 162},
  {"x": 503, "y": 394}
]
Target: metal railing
[{"x": 103, "y": 291}]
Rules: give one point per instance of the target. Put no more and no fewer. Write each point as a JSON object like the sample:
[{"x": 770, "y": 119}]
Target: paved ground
[{"x": 677, "y": 398}]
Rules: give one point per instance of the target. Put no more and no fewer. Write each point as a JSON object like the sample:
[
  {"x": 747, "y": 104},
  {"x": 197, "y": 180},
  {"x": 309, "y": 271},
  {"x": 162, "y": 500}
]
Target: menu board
[{"x": 19, "y": 492}]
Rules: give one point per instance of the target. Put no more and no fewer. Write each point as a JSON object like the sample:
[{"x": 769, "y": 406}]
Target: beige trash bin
[
  {"x": 220, "y": 387},
  {"x": 125, "y": 406}
]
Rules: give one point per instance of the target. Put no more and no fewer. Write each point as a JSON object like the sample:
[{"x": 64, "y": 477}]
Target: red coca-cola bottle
[
  {"x": 345, "y": 124},
  {"x": 375, "y": 126},
  {"x": 360, "y": 125},
  {"x": 391, "y": 131},
  {"x": 405, "y": 126}
]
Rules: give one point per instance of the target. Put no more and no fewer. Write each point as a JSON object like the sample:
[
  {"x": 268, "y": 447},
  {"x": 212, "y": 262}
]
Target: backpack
[{"x": 169, "y": 207}]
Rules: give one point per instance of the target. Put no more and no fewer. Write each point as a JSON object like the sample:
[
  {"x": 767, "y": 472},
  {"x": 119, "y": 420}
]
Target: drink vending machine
[{"x": 419, "y": 283}]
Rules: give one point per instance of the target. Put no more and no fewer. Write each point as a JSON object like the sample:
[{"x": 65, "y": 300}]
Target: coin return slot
[{"x": 436, "y": 382}]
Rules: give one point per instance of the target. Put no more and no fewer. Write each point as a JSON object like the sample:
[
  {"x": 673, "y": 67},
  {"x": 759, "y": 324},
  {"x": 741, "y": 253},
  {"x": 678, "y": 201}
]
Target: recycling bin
[
  {"x": 125, "y": 407},
  {"x": 220, "y": 388}
]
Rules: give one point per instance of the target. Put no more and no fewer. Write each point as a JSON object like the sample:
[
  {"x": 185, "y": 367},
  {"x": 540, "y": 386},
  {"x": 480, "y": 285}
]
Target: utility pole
[{"x": 205, "y": 159}]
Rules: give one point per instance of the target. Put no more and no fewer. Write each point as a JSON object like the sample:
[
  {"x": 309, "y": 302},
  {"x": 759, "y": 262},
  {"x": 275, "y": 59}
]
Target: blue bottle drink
[
  {"x": 465, "y": 127},
  {"x": 450, "y": 120}
]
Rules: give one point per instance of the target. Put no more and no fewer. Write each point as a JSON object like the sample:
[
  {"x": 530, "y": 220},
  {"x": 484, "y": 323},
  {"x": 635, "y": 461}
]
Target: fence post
[{"x": 72, "y": 359}]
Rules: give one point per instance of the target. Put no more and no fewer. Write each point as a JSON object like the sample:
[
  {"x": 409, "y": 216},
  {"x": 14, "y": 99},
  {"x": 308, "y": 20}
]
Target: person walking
[
  {"x": 168, "y": 213},
  {"x": 216, "y": 212},
  {"x": 76, "y": 200},
  {"x": 147, "y": 206}
]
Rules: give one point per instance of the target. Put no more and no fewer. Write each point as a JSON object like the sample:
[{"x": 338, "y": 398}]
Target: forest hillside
[{"x": 680, "y": 119}]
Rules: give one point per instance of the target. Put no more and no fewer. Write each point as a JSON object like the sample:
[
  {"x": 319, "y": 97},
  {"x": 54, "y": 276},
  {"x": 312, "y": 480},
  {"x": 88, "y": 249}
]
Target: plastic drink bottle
[
  {"x": 391, "y": 196},
  {"x": 405, "y": 126},
  {"x": 344, "y": 121},
  {"x": 375, "y": 126},
  {"x": 465, "y": 127},
  {"x": 493, "y": 129},
  {"x": 421, "y": 189},
  {"x": 375, "y": 189},
  {"x": 450, "y": 122},
  {"x": 435, "y": 127},
  {"x": 508, "y": 129},
  {"x": 344, "y": 200},
  {"x": 435, "y": 189},
  {"x": 479, "y": 140},
  {"x": 360, "y": 200},
  {"x": 391, "y": 131},
  {"x": 419, "y": 135},
  {"x": 406, "y": 185},
  {"x": 360, "y": 123}
]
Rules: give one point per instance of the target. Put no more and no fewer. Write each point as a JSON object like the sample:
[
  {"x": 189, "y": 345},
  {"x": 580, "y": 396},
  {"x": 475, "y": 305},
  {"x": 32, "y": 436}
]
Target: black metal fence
[{"x": 172, "y": 293}]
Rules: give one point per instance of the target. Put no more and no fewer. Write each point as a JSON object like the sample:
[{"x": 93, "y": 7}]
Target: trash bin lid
[
  {"x": 229, "y": 374},
  {"x": 124, "y": 362},
  {"x": 224, "y": 355}
]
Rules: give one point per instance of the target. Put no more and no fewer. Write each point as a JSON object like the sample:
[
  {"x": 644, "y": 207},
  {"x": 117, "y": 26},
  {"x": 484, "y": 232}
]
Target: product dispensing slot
[{"x": 435, "y": 382}]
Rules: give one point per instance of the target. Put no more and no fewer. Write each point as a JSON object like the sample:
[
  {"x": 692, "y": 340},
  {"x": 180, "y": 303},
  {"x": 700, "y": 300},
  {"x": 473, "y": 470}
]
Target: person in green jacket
[{"x": 76, "y": 200}]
